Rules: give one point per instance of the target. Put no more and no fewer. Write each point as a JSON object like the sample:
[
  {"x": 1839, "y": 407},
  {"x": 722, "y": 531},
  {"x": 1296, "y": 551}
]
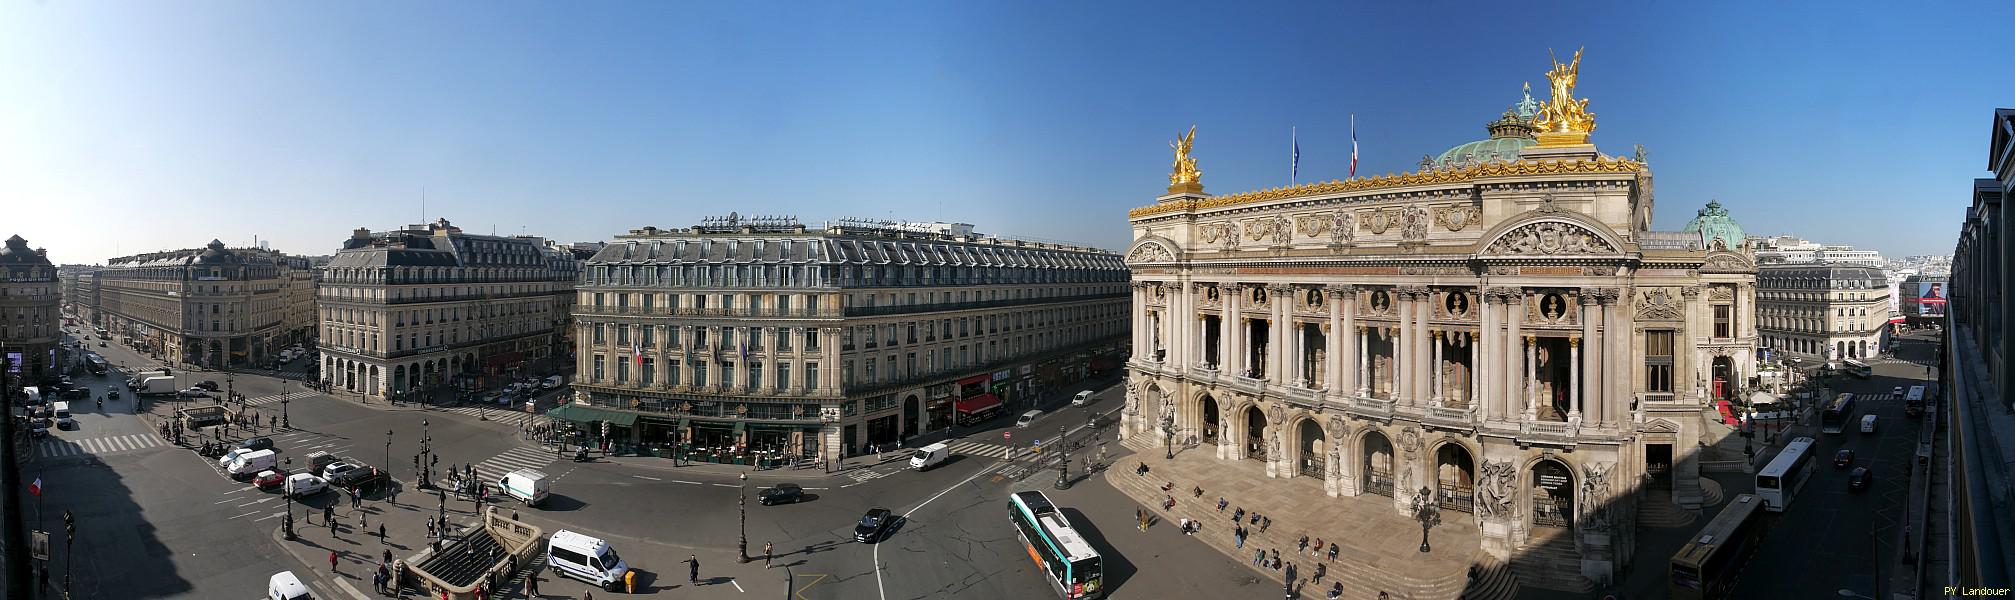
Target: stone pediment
[
  {"x": 1661, "y": 426},
  {"x": 1551, "y": 236},
  {"x": 1151, "y": 249},
  {"x": 1727, "y": 262}
]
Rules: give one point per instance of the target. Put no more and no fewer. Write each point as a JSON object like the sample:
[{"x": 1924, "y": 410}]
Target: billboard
[{"x": 1931, "y": 299}]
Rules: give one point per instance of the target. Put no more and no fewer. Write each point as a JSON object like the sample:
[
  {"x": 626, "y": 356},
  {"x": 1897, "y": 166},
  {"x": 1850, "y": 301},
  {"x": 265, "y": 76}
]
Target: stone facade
[
  {"x": 430, "y": 307},
  {"x": 1827, "y": 312},
  {"x": 1510, "y": 334},
  {"x": 212, "y": 306},
  {"x": 30, "y": 325},
  {"x": 764, "y": 335}
]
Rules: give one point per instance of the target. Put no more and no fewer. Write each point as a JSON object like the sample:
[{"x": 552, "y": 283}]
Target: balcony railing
[
  {"x": 1450, "y": 417},
  {"x": 688, "y": 311},
  {"x": 903, "y": 309}
]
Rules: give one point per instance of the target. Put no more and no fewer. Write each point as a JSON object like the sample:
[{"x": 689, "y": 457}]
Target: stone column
[
  {"x": 829, "y": 368},
  {"x": 1593, "y": 367},
  {"x": 1485, "y": 353},
  {"x": 1402, "y": 354},
  {"x": 1276, "y": 337},
  {"x": 1424, "y": 368},
  {"x": 1434, "y": 337},
  {"x": 1616, "y": 334},
  {"x": 1363, "y": 362},
  {"x": 1233, "y": 336},
  {"x": 1531, "y": 378},
  {"x": 1600, "y": 360},
  {"x": 1574, "y": 380},
  {"x": 1141, "y": 351},
  {"x": 1334, "y": 377},
  {"x": 1512, "y": 381}
]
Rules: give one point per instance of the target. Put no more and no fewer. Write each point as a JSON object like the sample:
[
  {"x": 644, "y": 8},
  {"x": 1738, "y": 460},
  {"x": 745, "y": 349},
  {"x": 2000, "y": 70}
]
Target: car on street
[
  {"x": 1843, "y": 459},
  {"x": 781, "y": 493},
  {"x": 101, "y": 343},
  {"x": 257, "y": 443},
  {"x": 1860, "y": 478},
  {"x": 285, "y": 586},
  {"x": 38, "y": 430},
  {"x": 1897, "y": 391},
  {"x": 552, "y": 382},
  {"x": 77, "y": 394},
  {"x": 305, "y": 484},
  {"x": 270, "y": 479},
  {"x": 364, "y": 479},
  {"x": 208, "y": 384},
  {"x": 337, "y": 468},
  {"x": 225, "y": 460},
  {"x": 873, "y": 525},
  {"x": 66, "y": 423},
  {"x": 194, "y": 392}
]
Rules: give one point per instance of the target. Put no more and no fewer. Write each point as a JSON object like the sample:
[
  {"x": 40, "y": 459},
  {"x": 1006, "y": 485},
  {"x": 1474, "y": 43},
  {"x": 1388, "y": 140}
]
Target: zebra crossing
[
  {"x": 980, "y": 449},
  {"x": 56, "y": 448},
  {"x": 491, "y": 412},
  {"x": 521, "y": 457},
  {"x": 290, "y": 396}
]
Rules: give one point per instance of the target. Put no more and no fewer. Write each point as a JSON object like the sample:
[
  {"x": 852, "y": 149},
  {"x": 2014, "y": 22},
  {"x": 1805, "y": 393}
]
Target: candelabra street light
[
  {"x": 1168, "y": 435},
  {"x": 1427, "y": 512},
  {"x": 1062, "y": 458},
  {"x": 742, "y": 502},
  {"x": 388, "y": 449},
  {"x": 284, "y": 394}
]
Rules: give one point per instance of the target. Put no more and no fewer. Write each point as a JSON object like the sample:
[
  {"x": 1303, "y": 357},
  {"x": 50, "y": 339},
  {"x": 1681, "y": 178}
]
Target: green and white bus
[{"x": 1072, "y": 567}]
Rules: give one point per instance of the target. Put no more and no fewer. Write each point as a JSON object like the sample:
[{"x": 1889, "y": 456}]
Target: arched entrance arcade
[
  {"x": 1455, "y": 477},
  {"x": 1376, "y": 468},
  {"x": 1311, "y": 447}
]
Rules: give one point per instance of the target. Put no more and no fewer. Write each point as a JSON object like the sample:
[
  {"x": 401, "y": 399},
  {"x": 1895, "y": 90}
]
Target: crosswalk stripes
[
  {"x": 99, "y": 445},
  {"x": 493, "y": 413},
  {"x": 521, "y": 457},
  {"x": 291, "y": 396},
  {"x": 981, "y": 449}
]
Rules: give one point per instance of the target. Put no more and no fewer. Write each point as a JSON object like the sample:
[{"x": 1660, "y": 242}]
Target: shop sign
[
  {"x": 1003, "y": 374},
  {"x": 829, "y": 414},
  {"x": 941, "y": 390},
  {"x": 1027, "y": 369}
]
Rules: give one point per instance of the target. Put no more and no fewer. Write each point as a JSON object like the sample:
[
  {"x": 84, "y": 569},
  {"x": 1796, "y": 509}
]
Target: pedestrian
[
  {"x": 332, "y": 561},
  {"x": 694, "y": 576},
  {"x": 514, "y": 515},
  {"x": 766, "y": 554},
  {"x": 1258, "y": 557},
  {"x": 430, "y": 526},
  {"x": 587, "y": 595},
  {"x": 381, "y": 535},
  {"x": 1304, "y": 543},
  {"x": 1320, "y": 570},
  {"x": 1140, "y": 519},
  {"x": 1238, "y": 515},
  {"x": 1221, "y": 503},
  {"x": 532, "y": 586},
  {"x": 1318, "y": 545},
  {"x": 1332, "y": 550},
  {"x": 1265, "y": 522}
]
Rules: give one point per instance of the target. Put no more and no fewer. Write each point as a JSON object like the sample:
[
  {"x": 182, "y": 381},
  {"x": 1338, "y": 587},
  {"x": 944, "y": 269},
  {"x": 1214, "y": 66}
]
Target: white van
[
  {"x": 62, "y": 410},
  {"x": 1868, "y": 424},
  {"x": 1028, "y": 418},
  {"x": 528, "y": 486},
  {"x": 232, "y": 456},
  {"x": 1081, "y": 399},
  {"x": 249, "y": 464},
  {"x": 300, "y": 485},
  {"x": 587, "y": 559},
  {"x": 929, "y": 456},
  {"x": 285, "y": 586}
]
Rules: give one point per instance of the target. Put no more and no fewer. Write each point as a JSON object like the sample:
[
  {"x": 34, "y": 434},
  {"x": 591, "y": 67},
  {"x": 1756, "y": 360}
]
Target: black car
[
  {"x": 1860, "y": 478},
  {"x": 783, "y": 492},
  {"x": 77, "y": 394},
  {"x": 38, "y": 429},
  {"x": 365, "y": 479},
  {"x": 257, "y": 444},
  {"x": 873, "y": 525},
  {"x": 208, "y": 384}
]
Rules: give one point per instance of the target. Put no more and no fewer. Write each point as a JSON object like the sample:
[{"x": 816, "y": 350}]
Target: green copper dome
[
  {"x": 1509, "y": 134},
  {"x": 1713, "y": 223}
]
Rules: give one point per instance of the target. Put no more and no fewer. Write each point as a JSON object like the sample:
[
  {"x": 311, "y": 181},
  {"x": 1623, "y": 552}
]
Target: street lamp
[
  {"x": 284, "y": 395},
  {"x": 388, "y": 449},
  {"x": 742, "y": 502},
  {"x": 1168, "y": 435},
  {"x": 1062, "y": 458},
  {"x": 1427, "y": 512}
]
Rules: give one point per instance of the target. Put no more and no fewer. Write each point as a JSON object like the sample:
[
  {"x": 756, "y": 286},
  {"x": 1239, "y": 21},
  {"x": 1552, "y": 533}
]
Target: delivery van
[
  {"x": 1028, "y": 418},
  {"x": 1868, "y": 424},
  {"x": 1081, "y": 399},
  {"x": 930, "y": 456},
  {"x": 528, "y": 486},
  {"x": 587, "y": 559},
  {"x": 251, "y": 463}
]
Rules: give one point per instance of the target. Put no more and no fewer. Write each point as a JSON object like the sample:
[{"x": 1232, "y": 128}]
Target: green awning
[
  {"x": 739, "y": 425},
  {"x": 589, "y": 414},
  {"x": 684, "y": 422}
]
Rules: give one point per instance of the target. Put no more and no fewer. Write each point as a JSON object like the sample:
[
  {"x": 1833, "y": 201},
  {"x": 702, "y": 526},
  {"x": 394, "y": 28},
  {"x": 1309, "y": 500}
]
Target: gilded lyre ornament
[
  {"x": 1185, "y": 177},
  {"x": 1563, "y": 120}
]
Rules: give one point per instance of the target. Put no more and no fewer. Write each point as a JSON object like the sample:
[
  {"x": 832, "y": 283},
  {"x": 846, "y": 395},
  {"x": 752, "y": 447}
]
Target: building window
[
  {"x": 755, "y": 374},
  {"x": 1658, "y": 360},
  {"x": 1722, "y": 326},
  {"x": 783, "y": 377},
  {"x": 599, "y": 360},
  {"x": 700, "y": 374},
  {"x": 649, "y": 371},
  {"x": 601, "y": 333},
  {"x": 646, "y": 332},
  {"x": 847, "y": 374},
  {"x": 622, "y": 371},
  {"x": 672, "y": 373},
  {"x": 622, "y": 335},
  {"x": 811, "y": 375},
  {"x": 812, "y": 340}
]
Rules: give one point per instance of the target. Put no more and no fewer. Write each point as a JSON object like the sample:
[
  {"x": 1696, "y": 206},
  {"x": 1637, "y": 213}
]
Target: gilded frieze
[{"x": 1600, "y": 165}]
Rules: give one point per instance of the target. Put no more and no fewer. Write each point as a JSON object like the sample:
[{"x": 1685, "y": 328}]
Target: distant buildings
[
  {"x": 211, "y": 306},
  {"x": 30, "y": 325},
  {"x": 743, "y": 339},
  {"x": 1789, "y": 249},
  {"x": 1822, "y": 310},
  {"x": 429, "y": 306}
]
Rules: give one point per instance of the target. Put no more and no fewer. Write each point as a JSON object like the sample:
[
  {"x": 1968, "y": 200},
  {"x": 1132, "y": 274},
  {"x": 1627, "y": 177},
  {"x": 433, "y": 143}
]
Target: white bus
[
  {"x": 1061, "y": 555},
  {"x": 1780, "y": 480}
]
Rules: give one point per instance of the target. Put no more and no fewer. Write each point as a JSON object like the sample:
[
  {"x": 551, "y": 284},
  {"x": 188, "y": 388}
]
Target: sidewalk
[{"x": 1380, "y": 547}]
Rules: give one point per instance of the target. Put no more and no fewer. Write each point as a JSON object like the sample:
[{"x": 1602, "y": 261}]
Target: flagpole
[{"x": 1294, "y": 150}]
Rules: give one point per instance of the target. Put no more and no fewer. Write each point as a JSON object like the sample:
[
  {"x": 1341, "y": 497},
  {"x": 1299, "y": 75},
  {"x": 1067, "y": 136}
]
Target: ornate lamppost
[
  {"x": 388, "y": 449},
  {"x": 1168, "y": 434},
  {"x": 742, "y": 502},
  {"x": 1062, "y": 459},
  {"x": 1427, "y": 512},
  {"x": 284, "y": 394}
]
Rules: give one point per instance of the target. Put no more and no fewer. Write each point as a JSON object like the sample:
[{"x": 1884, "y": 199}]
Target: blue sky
[{"x": 136, "y": 126}]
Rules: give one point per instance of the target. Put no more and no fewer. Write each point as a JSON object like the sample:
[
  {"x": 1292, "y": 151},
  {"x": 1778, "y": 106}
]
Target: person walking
[
  {"x": 332, "y": 561},
  {"x": 381, "y": 535},
  {"x": 694, "y": 576},
  {"x": 766, "y": 554},
  {"x": 1258, "y": 557},
  {"x": 532, "y": 586}
]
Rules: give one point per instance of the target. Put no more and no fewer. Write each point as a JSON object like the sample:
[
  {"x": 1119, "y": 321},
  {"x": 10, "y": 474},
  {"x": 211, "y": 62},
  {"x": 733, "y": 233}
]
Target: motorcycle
[{"x": 582, "y": 456}]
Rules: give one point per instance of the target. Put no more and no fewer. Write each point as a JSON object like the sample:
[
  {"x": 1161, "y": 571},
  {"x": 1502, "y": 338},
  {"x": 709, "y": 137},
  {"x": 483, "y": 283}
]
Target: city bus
[
  {"x": 1837, "y": 415},
  {"x": 1706, "y": 567},
  {"x": 1913, "y": 402},
  {"x": 1857, "y": 368},
  {"x": 1780, "y": 480},
  {"x": 1073, "y": 569}
]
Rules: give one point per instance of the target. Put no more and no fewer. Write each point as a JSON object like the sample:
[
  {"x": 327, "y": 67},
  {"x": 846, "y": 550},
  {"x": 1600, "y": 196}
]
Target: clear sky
[{"x": 135, "y": 126}]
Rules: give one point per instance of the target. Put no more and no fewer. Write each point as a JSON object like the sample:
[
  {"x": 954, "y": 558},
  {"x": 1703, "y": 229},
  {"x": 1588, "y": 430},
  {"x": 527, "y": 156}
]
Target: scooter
[{"x": 582, "y": 456}]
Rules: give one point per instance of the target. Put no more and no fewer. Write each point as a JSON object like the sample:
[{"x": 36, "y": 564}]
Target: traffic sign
[{"x": 1007, "y": 435}]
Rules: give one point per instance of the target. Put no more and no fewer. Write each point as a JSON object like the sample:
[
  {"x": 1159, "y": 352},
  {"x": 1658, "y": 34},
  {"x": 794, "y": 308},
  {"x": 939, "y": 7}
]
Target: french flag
[
  {"x": 1353, "y": 145},
  {"x": 36, "y": 487}
]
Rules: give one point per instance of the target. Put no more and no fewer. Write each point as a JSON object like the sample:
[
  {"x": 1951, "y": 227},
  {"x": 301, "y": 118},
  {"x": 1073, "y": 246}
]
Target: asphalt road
[{"x": 1828, "y": 538}]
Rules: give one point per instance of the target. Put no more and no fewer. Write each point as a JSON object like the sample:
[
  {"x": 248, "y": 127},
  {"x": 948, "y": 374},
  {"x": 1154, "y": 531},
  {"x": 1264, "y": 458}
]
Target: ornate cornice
[{"x": 1601, "y": 165}]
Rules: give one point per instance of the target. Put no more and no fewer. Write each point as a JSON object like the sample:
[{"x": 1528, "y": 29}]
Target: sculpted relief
[
  {"x": 1149, "y": 253},
  {"x": 1550, "y": 238},
  {"x": 1311, "y": 225},
  {"x": 1413, "y": 224},
  {"x": 1457, "y": 218},
  {"x": 1377, "y": 221},
  {"x": 1342, "y": 227}
]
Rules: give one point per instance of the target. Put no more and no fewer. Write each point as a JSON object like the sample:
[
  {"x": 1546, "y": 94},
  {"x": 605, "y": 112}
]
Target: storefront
[{"x": 938, "y": 405}]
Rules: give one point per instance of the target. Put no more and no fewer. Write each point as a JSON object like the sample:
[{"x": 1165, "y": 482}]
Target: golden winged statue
[
  {"x": 1185, "y": 177},
  {"x": 1562, "y": 119}
]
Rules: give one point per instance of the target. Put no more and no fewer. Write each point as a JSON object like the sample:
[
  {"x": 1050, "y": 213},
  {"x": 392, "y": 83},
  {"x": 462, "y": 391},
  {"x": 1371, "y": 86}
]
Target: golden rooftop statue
[
  {"x": 1563, "y": 120},
  {"x": 1185, "y": 178}
]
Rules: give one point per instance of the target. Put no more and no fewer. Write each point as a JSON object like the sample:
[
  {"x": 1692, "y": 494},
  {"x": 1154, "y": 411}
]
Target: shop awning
[
  {"x": 588, "y": 414},
  {"x": 981, "y": 378},
  {"x": 978, "y": 403},
  {"x": 739, "y": 425}
]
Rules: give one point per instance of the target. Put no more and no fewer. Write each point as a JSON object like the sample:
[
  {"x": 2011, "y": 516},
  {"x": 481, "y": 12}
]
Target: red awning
[
  {"x": 977, "y": 403},
  {"x": 981, "y": 378}
]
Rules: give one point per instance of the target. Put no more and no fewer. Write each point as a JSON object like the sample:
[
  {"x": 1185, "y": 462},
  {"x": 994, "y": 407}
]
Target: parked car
[
  {"x": 270, "y": 479},
  {"x": 336, "y": 468},
  {"x": 873, "y": 525},
  {"x": 257, "y": 443},
  {"x": 552, "y": 382},
  {"x": 1843, "y": 459},
  {"x": 1897, "y": 391},
  {"x": 77, "y": 394},
  {"x": 194, "y": 392},
  {"x": 305, "y": 484},
  {"x": 208, "y": 384},
  {"x": 38, "y": 430},
  {"x": 1860, "y": 478},
  {"x": 66, "y": 423},
  {"x": 783, "y": 492}
]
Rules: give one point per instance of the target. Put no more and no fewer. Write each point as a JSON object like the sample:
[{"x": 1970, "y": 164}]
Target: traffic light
[
  {"x": 437, "y": 460},
  {"x": 69, "y": 524}
]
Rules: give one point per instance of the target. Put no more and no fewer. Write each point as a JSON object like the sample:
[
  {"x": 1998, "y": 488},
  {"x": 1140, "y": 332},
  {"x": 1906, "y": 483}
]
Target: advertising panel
[{"x": 1931, "y": 299}]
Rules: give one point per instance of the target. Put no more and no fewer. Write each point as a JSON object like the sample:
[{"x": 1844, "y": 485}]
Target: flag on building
[
  {"x": 1353, "y": 145},
  {"x": 1294, "y": 164},
  {"x": 36, "y": 487},
  {"x": 637, "y": 351}
]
